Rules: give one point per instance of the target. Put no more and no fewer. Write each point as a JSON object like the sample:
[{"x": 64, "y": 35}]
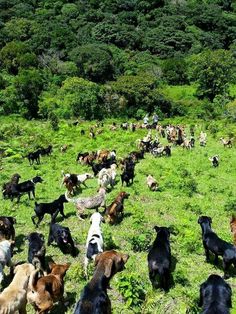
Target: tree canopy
[{"x": 112, "y": 44}]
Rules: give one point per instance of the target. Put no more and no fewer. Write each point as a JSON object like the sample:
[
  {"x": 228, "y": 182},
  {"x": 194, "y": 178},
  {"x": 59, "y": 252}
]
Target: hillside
[
  {"x": 189, "y": 187},
  {"x": 95, "y": 59}
]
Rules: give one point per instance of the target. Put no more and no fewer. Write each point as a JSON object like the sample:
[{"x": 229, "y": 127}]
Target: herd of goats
[{"x": 43, "y": 285}]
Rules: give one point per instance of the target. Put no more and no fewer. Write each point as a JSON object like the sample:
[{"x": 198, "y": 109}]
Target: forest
[{"x": 124, "y": 58}]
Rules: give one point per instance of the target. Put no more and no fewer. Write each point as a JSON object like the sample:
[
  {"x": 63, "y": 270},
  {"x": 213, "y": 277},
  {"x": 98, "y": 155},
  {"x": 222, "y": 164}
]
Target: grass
[{"x": 189, "y": 187}]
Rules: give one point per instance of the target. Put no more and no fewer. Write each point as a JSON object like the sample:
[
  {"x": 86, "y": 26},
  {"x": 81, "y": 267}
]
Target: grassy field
[{"x": 189, "y": 187}]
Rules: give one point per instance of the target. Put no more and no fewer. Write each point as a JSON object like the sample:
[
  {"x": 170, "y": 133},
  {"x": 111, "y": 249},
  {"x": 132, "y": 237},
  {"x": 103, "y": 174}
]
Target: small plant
[
  {"x": 132, "y": 290},
  {"x": 196, "y": 209},
  {"x": 230, "y": 205},
  {"x": 189, "y": 186},
  {"x": 76, "y": 272},
  {"x": 109, "y": 240},
  {"x": 141, "y": 241}
]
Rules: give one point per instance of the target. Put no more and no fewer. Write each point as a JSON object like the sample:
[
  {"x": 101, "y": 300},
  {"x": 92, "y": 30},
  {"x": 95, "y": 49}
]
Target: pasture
[{"x": 189, "y": 187}]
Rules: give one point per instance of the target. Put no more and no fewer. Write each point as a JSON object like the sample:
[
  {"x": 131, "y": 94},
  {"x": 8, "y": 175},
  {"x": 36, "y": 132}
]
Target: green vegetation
[
  {"x": 97, "y": 59},
  {"x": 189, "y": 187}
]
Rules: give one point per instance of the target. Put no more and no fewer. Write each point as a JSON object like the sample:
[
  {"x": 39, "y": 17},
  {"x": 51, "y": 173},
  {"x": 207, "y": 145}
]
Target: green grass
[{"x": 189, "y": 187}]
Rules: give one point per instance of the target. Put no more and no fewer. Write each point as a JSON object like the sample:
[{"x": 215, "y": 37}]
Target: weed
[{"x": 131, "y": 288}]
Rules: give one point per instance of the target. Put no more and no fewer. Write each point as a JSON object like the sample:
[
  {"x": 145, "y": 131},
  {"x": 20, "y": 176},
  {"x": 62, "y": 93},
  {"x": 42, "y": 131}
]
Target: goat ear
[
  {"x": 156, "y": 228},
  {"x": 210, "y": 219},
  {"x": 41, "y": 236},
  {"x": 108, "y": 268},
  {"x": 199, "y": 220}
]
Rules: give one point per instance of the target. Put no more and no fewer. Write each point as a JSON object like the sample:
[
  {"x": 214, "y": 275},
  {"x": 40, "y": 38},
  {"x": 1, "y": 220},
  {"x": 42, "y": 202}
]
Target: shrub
[
  {"x": 141, "y": 241},
  {"x": 54, "y": 121},
  {"x": 230, "y": 205},
  {"x": 189, "y": 186},
  {"x": 132, "y": 289}
]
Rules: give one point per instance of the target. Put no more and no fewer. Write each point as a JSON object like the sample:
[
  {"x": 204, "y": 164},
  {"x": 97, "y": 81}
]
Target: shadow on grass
[{"x": 19, "y": 242}]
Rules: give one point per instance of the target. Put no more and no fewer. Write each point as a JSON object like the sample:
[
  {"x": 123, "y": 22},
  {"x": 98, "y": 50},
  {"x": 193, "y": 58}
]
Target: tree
[
  {"x": 76, "y": 97},
  {"x": 28, "y": 85},
  {"x": 94, "y": 62},
  {"x": 10, "y": 55},
  {"x": 136, "y": 92},
  {"x": 175, "y": 71},
  {"x": 213, "y": 71}
]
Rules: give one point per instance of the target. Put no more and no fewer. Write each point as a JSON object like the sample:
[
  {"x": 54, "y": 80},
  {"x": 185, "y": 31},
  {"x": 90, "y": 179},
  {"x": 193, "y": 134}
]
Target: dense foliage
[{"x": 114, "y": 54}]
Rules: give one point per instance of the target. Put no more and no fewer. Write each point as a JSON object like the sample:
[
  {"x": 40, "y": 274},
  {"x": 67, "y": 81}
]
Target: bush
[
  {"x": 54, "y": 121},
  {"x": 141, "y": 241},
  {"x": 230, "y": 205},
  {"x": 189, "y": 186},
  {"x": 132, "y": 289}
]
